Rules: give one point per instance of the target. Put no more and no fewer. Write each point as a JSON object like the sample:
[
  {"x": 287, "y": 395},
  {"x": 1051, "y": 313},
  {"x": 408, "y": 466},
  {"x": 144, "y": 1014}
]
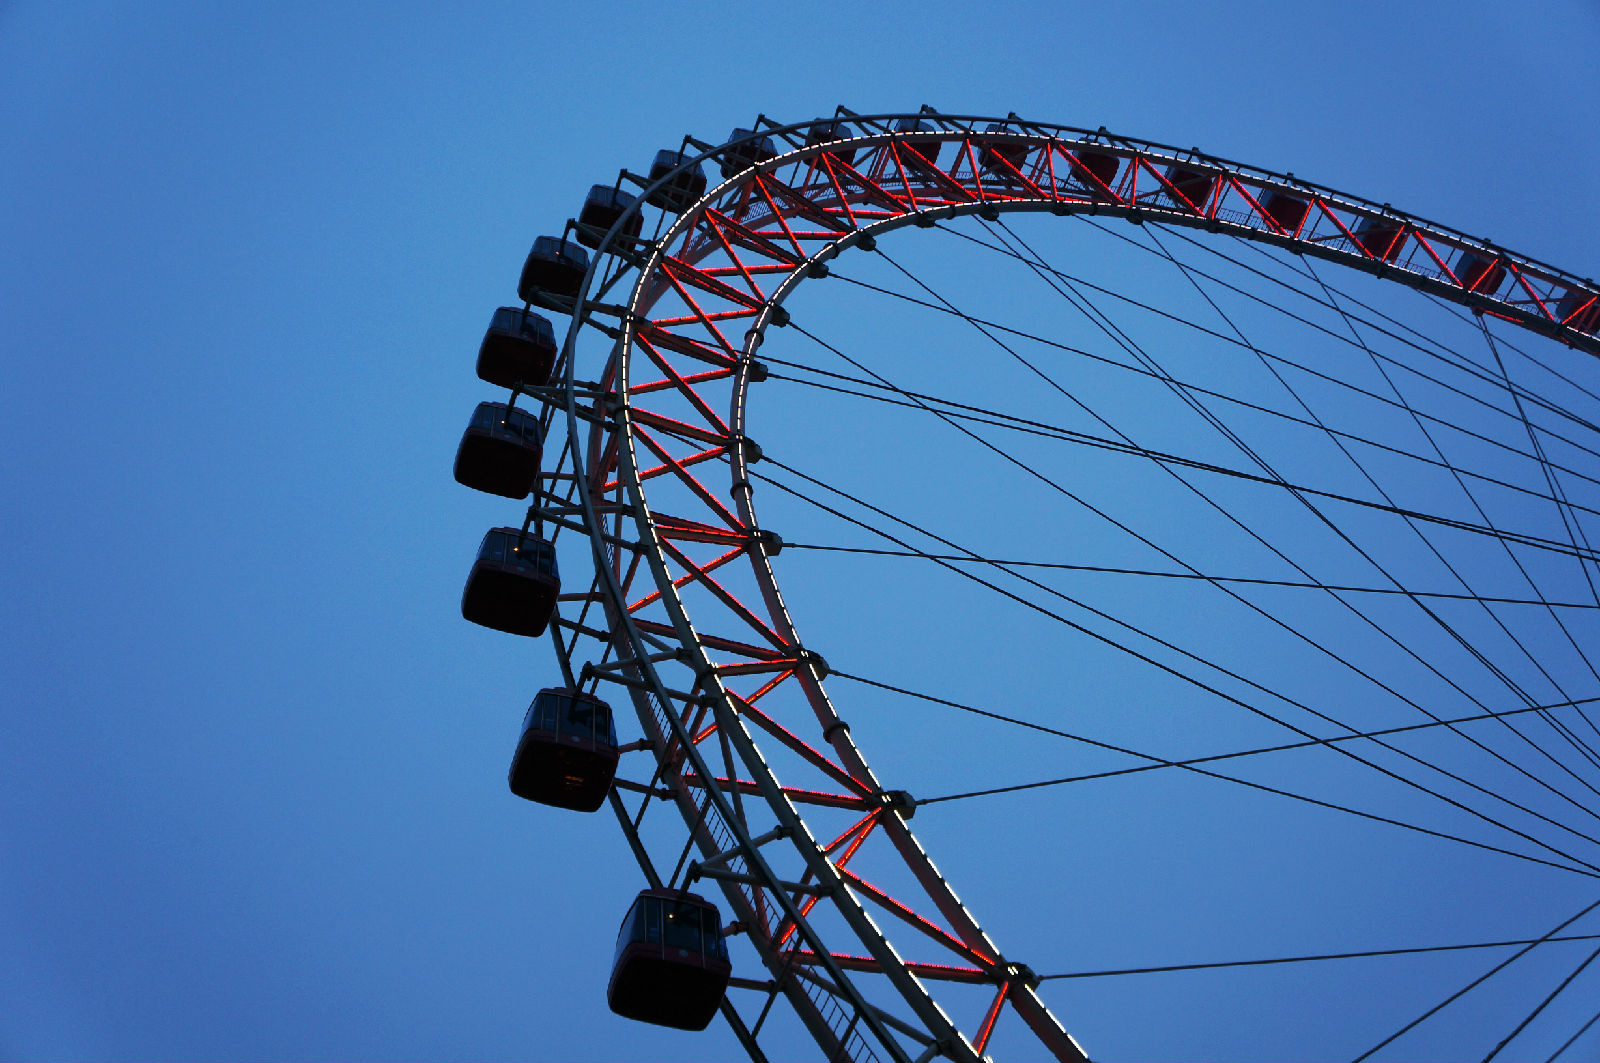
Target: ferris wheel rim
[{"x": 620, "y": 421}]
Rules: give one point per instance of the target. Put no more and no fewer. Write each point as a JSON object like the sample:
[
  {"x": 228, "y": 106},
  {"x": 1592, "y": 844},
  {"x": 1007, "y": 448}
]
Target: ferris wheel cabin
[
  {"x": 671, "y": 966},
  {"x": 827, "y": 133},
  {"x": 513, "y": 584},
  {"x": 995, "y": 157},
  {"x": 499, "y": 451},
  {"x": 554, "y": 266},
  {"x": 683, "y": 189},
  {"x": 1381, "y": 238},
  {"x": 1191, "y": 189},
  {"x": 519, "y": 348},
  {"x": 929, "y": 151},
  {"x": 601, "y": 208},
  {"x": 1581, "y": 311},
  {"x": 1095, "y": 170},
  {"x": 567, "y": 755},
  {"x": 743, "y": 154},
  {"x": 1288, "y": 211}
]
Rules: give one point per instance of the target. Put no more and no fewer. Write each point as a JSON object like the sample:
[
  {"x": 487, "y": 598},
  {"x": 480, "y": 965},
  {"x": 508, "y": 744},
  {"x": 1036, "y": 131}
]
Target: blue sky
[{"x": 253, "y": 801}]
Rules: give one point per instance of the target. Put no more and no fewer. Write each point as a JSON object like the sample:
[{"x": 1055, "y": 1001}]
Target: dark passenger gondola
[
  {"x": 567, "y": 755},
  {"x": 601, "y": 209},
  {"x": 555, "y": 266},
  {"x": 1480, "y": 274},
  {"x": 1381, "y": 238},
  {"x": 1581, "y": 311},
  {"x": 929, "y": 150},
  {"x": 499, "y": 451},
  {"x": 519, "y": 348},
  {"x": 992, "y": 154},
  {"x": 683, "y": 189},
  {"x": 1191, "y": 189},
  {"x": 745, "y": 154},
  {"x": 1094, "y": 169},
  {"x": 671, "y": 966},
  {"x": 513, "y": 584},
  {"x": 1288, "y": 211},
  {"x": 827, "y": 133}
]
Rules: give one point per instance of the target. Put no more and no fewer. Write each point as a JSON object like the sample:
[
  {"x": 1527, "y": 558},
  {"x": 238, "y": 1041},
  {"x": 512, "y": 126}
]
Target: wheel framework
[{"x": 687, "y": 311}]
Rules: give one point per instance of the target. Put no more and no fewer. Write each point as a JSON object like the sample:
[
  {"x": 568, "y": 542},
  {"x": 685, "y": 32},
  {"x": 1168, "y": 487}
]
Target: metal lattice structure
[{"x": 685, "y": 613}]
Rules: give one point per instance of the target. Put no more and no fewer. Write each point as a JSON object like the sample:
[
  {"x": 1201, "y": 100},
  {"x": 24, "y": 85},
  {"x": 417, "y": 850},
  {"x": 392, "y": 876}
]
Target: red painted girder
[
  {"x": 1171, "y": 189},
  {"x": 870, "y": 185},
  {"x": 804, "y": 797},
  {"x": 776, "y": 214},
  {"x": 745, "y": 267},
  {"x": 750, "y": 239},
  {"x": 700, "y": 317},
  {"x": 716, "y": 642},
  {"x": 811, "y": 755},
  {"x": 711, "y": 417},
  {"x": 682, "y": 463},
  {"x": 905, "y": 914},
  {"x": 937, "y": 971},
  {"x": 979, "y": 180},
  {"x": 942, "y": 178},
  {"x": 681, "y": 271},
  {"x": 684, "y": 529},
  {"x": 681, "y": 429},
  {"x": 760, "y": 667},
  {"x": 981, "y": 1041},
  {"x": 802, "y": 205},
  {"x": 651, "y": 332},
  {"x": 692, "y": 379},
  {"x": 722, "y": 594},
  {"x": 688, "y": 480},
  {"x": 1081, "y": 172},
  {"x": 678, "y": 583},
  {"x": 1232, "y": 181}
]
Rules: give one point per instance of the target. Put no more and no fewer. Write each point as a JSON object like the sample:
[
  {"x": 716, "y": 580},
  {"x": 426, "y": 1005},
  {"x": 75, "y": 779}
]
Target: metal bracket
[
  {"x": 654, "y": 658},
  {"x": 636, "y": 684},
  {"x": 768, "y": 542},
  {"x": 899, "y": 802},
  {"x": 698, "y": 871},
  {"x": 721, "y": 858}
]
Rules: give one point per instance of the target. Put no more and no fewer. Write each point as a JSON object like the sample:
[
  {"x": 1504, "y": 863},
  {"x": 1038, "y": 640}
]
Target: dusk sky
[{"x": 253, "y": 799}]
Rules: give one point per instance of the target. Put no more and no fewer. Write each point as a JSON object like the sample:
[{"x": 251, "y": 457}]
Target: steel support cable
[
  {"x": 1118, "y": 336},
  {"x": 1538, "y": 453},
  {"x": 1035, "y": 262},
  {"x": 1558, "y": 494},
  {"x": 1464, "y": 990},
  {"x": 1346, "y": 385},
  {"x": 1171, "y": 967},
  {"x": 1471, "y": 497},
  {"x": 1170, "y": 670},
  {"x": 998, "y": 419},
  {"x": 1433, "y": 615},
  {"x": 1420, "y": 337},
  {"x": 1159, "y": 763},
  {"x": 1456, "y": 361},
  {"x": 1254, "y": 580},
  {"x": 1323, "y": 649},
  {"x": 1194, "y": 388},
  {"x": 1569, "y": 1042},
  {"x": 1584, "y": 748},
  {"x": 1472, "y": 370},
  {"x": 1534, "y": 1014}
]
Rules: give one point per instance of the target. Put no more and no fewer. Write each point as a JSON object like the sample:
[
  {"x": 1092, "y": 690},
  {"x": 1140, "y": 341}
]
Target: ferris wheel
[{"x": 1377, "y": 555}]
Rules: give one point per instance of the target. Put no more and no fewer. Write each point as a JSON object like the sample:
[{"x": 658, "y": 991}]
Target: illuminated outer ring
[{"x": 733, "y": 257}]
